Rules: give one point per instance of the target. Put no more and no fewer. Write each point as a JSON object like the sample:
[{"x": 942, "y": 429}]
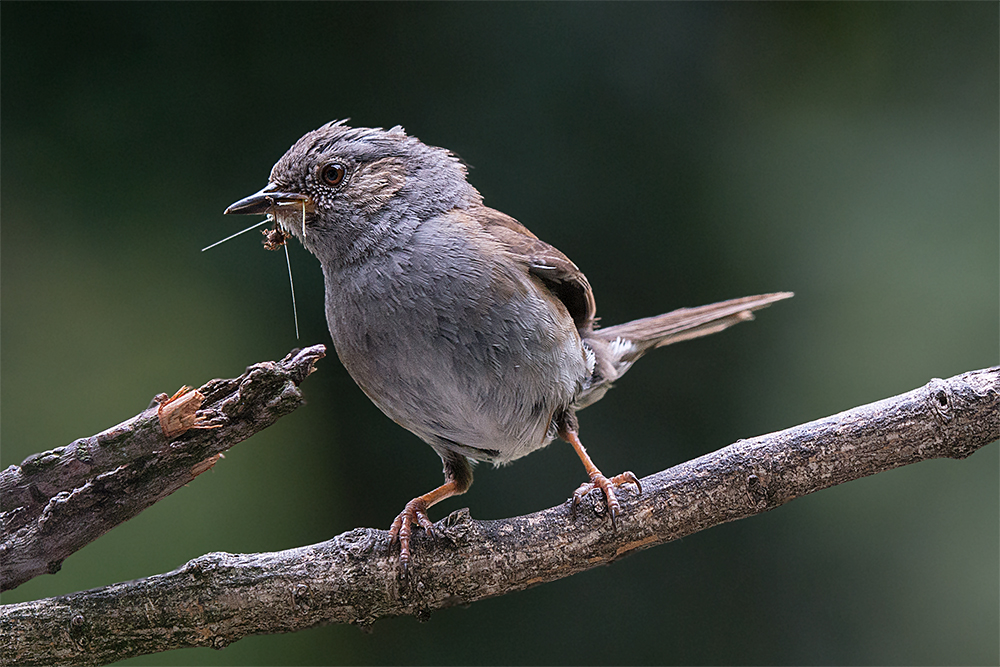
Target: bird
[{"x": 459, "y": 323}]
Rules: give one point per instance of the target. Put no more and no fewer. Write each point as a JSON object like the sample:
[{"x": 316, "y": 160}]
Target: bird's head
[{"x": 340, "y": 189}]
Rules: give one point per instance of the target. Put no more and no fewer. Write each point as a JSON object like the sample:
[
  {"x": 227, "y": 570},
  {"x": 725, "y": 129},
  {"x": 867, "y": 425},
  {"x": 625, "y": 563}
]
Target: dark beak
[{"x": 265, "y": 201}]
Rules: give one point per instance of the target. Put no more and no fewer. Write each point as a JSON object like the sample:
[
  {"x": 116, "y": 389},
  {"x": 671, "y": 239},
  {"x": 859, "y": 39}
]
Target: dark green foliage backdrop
[{"x": 679, "y": 153}]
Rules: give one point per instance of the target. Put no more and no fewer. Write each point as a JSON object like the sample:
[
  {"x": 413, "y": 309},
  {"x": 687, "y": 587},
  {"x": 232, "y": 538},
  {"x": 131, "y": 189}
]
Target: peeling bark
[{"x": 56, "y": 502}]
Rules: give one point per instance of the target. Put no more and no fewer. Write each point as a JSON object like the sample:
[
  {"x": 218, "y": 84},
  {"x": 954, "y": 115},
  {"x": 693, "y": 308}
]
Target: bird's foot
[
  {"x": 607, "y": 487},
  {"x": 415, "y": 512}
]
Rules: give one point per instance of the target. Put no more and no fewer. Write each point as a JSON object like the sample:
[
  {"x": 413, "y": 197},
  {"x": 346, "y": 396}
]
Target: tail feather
[
  {"x": 612, "y": 351},
  {"x": 682, "y": 324}
]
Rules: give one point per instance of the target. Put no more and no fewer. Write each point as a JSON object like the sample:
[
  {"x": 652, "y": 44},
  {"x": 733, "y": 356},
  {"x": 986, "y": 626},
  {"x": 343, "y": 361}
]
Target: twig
[
  {"x": 219, "y": 598},
  {"x": 56, "y": 502}
]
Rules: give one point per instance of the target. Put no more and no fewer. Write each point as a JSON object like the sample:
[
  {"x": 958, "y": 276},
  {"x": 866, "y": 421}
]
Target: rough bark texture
[
  {"x": 56, "y": 502},
  {"x": 218, "y": 598}
]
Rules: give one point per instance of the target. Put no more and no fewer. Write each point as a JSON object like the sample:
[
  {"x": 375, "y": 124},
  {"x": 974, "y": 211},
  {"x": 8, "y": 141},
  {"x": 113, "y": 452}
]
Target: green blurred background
[{"x": 679, "y": 153}]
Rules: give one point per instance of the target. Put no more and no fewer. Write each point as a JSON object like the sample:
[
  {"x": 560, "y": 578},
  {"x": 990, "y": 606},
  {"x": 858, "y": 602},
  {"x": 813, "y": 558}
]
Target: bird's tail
[
  {"x": 615, "y": 349},
  {"x": 637, "y": 337}
]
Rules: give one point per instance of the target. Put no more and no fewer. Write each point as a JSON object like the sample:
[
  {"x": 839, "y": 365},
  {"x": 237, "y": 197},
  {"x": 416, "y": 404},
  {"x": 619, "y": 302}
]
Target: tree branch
[
  {"x": 219, "y": 598},
  {"x": 57, "y": 502}
]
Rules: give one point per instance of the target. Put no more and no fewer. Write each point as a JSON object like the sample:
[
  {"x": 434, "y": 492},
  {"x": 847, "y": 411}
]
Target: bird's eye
[{"x": 333, "y": 174}]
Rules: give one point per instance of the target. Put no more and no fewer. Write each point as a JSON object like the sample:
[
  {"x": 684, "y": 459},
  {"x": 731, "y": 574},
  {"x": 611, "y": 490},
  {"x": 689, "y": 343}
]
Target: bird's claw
[
  {"x": 607, "y": 487},
  {"x": 415, "y": 512}
]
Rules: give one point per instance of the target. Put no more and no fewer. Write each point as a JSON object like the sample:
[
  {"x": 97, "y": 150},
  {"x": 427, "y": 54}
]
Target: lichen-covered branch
[
  {"x": 56, "y": 502},
  {"x": 354, "y": 578}
]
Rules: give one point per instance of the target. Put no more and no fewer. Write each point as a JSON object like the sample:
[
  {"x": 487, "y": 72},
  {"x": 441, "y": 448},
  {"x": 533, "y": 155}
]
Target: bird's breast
[{"x": 457, "y": 343}]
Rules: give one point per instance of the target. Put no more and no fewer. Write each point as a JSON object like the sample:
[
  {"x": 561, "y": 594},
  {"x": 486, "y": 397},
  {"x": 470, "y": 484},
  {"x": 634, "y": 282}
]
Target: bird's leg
[
  {"x": 458, "y": 479},
  {"x": 597, "y": 479}
]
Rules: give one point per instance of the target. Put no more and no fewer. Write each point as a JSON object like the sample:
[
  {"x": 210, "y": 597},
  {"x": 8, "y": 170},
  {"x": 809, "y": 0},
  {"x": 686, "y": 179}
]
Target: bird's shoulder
[{"x": 553, "y": 268}]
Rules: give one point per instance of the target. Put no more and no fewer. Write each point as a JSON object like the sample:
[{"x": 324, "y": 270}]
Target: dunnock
[{"x": 459, "y": 323}]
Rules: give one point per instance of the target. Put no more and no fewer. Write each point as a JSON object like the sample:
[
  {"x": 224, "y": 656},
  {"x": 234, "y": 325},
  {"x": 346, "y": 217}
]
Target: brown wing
[{"x": 554, "y": 269}]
